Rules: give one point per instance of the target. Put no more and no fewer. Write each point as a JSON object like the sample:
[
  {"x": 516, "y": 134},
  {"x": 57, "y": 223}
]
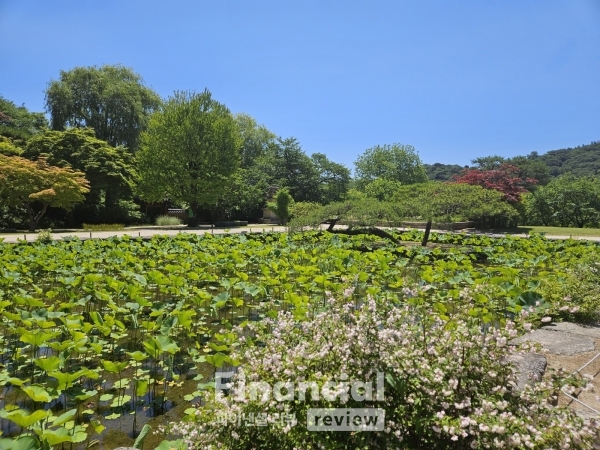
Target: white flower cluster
[{"x": 447, "y": 383}]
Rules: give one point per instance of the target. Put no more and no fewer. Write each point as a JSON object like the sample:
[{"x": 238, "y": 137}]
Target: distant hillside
[{"x": 582, "y": 160}]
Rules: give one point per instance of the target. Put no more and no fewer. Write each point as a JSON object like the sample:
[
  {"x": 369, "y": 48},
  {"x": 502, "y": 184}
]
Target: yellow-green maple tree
[{"x": 35, "y": 185}]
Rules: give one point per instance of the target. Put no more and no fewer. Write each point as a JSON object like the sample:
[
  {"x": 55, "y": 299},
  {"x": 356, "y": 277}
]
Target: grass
[
  {"x": 104, "y": 227},
  {"x": 555, "y": 231},
  {"x": 167, "y": 221}
]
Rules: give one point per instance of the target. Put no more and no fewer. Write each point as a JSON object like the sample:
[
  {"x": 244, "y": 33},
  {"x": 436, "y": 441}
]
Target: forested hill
[
  {"x": 442, "y": 172},
  {"x": 581, "y": 160}
]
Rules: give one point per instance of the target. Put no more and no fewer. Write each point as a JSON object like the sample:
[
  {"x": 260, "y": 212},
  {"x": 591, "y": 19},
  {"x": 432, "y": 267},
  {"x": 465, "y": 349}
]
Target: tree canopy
[
  {"x": 285, "y": 164},
  {"x": 17, "y": 125},
  {"x": 395, "y": 162},
  {"x": 36, "y": 185},
  {"x": 256, "y": 139},
  {"x": 505, "y": 178},
  {"x": 110, "y": 171},
  {"x": 334, "y": 178},
  {"x": 189, "y": 151},
  {"x": 442, "y": 172},
  {"x": 566, "y": 201},
  {"x": 110, "y": 99}
]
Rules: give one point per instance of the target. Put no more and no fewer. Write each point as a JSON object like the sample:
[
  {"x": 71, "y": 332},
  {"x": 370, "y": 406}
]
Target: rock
[
  {"x": 568, "y": 327},
  {"x": 530, "y": 367},
  {"x": 586, "y": 414},
  {"x": 558, "y": 342}
]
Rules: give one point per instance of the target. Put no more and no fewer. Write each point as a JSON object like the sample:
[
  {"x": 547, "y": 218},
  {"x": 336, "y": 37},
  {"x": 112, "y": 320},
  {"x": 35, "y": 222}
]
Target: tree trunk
[
  {"x": 426, "y": 235},
  {"x": 34, "y": 219},
  {"x": 32, "y": 222}
]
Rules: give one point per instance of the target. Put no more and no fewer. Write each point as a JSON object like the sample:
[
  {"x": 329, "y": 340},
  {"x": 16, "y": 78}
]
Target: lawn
[{"x": 559, "y": 231}]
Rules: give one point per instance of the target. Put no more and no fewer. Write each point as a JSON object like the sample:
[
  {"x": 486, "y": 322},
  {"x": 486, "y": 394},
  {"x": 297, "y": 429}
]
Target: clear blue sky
[{"x": 455, "y": 79}]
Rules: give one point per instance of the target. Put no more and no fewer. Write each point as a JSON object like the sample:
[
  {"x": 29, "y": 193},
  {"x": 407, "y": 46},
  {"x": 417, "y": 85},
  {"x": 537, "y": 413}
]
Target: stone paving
[{"x": 567, "y": 346}]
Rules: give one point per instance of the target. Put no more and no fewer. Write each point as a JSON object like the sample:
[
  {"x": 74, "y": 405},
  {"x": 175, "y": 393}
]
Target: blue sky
[{"x": 455, "y": 79}]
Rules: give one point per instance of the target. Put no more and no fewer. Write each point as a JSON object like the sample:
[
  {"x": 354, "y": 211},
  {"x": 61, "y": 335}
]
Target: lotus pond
[{"x": 99, "y": 337}]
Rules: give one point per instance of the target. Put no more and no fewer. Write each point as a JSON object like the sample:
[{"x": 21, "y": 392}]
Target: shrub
[
  {"x": 282, "y": 205},
  {"x": 44, "y": 236},
  {"x": 576, "y": 295},
  {"x": 447, "y": 384},
  {"x": 164, "y": 221}
]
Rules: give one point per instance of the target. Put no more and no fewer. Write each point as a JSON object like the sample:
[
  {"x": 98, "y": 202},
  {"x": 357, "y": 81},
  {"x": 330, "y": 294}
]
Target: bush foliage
[{"x": 447, "y": 383}]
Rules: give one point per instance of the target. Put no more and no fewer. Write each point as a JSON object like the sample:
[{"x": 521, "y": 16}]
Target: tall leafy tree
[
  {"x": 112, "y": 100},
  {"x": 392, "y": 162},
  {"x": 189, "y": 151},
  {"x": 566, "y": 201},
  {"x": 488, "y": 162},
  {"x": 17, "y": 125},
  {"x": 110, "y": 171},
  {"x": 35, "y": 185},
  {"x": 242, "y": 200},
  {"x": 382, "y": 189},
  {"x": 256, "y": 139},
  {"x": 529, "y": 167},
  {"x": 285, "y": 164},
  {"x": 506, "y": 179},
  {"x": 334, "y": 178}
]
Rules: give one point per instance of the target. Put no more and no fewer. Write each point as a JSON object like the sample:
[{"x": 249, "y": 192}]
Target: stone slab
[
  {"x": 530, "y": 367},
  {"x": 585, "y": 413},
  {"x": 568, "y": 327},
  {"x": 558, "y": 342}
]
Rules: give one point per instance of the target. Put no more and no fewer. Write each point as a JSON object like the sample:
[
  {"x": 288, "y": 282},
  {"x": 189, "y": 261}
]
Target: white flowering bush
[
  {"x": 576, "y": 296},
  {"x": 447, "y": 384}
]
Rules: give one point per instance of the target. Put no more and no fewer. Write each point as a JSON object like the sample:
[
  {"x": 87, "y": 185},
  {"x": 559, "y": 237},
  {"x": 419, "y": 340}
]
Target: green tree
[
  {"x": 35, "y": 185},
  {"x": 566, "y": 201},
  {"x": 242, "y": 200},
  {"x": 110, "y": 99},
  {"x": 334, "y": 178},
  {"x": 392, "y": 162},
  {"x": 8, "y": 148},
  {"x": 256, "y": 139},
  {"x": 110, "y": 171},
  {"x": 285, "y": 164},
  {"x": 359, "y": 215},
  {"x": 443, "y": 172},
  {"x": 492, "y": 162},
  {"x": 282, "y": 205},
  {"x": 530, "y": 167},
  {"x": 451, "y": 202},
  {"x": 454, "y": 202},
  {"x": 189, "y": 151},
  {"x": 17, "y": 125},
  {"x": 382, "y": 189}
]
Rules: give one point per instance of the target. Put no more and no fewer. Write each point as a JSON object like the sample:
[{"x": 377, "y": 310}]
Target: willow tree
[
  {"x": 112, "y": 100},
  {"x": 189, "y": 151},
  {"x": 36, "y": 185}
]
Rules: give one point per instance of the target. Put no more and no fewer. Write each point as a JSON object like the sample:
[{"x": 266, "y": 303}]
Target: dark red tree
[{"x": 506, "y": 179}]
